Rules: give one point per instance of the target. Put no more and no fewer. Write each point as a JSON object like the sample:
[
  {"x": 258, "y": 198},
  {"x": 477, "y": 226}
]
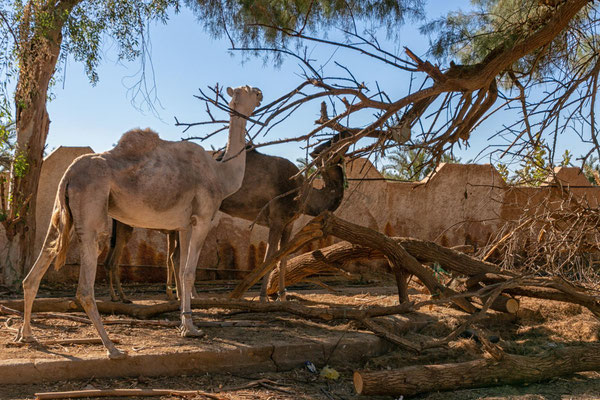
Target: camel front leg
[
  {"x": 85, "y": 292},
  {"x": 285, "y": 237},
  {"x": 195, "y": 240},
  {"x": 172, "y": 268},
  {"x": 275, "y": 232}
]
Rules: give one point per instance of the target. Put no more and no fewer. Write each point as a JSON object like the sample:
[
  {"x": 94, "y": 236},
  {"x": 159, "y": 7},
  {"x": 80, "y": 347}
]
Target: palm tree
[{"x": 413, "y": 164}]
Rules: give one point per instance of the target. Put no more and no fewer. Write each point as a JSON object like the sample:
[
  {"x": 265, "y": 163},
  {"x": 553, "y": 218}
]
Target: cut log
[
  {"x": 505, "y": 303},
  {"x": 510, "y": 369}
]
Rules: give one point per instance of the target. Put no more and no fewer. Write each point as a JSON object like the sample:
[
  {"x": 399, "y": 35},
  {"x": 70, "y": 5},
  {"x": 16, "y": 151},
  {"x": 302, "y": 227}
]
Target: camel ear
[{"x": 230, "y": 91}]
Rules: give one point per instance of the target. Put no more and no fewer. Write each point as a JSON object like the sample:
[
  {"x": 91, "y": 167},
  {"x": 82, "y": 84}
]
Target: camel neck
[{"x": 234, "y": 159}]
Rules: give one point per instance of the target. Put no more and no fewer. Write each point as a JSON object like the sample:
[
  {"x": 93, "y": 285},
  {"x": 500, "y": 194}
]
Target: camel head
[{"x": 244, "y": 99}]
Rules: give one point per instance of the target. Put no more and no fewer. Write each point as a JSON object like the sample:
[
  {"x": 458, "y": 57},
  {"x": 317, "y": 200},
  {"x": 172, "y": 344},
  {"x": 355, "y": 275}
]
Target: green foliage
[
  {"x": 591, "y": 170},
  {"x": 124, "y": 21},
  {"x": 20, "y": 165},
  {"x": 303, "y": 163},
  {"x": 494, "y": 25},
  {"x": 535, "y": 168},
  {"x": 503, "y": 171},
  {"x": 253, "y": 21},
  {"x": 7, "y": 134},
  {"x": 413, "y": 164}
]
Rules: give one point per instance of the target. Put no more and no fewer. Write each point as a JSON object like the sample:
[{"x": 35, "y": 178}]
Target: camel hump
[{"x": 137, "y": 142}]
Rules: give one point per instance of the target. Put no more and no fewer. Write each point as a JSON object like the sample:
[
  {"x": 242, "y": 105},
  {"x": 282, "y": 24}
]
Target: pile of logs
[{"x": 486, "y": 287}]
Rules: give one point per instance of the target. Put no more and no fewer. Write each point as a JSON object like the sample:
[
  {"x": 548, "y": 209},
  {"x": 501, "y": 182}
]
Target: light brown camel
[
  {"x": 266, "y": 178},
  {"x": 147, "y": 182}
]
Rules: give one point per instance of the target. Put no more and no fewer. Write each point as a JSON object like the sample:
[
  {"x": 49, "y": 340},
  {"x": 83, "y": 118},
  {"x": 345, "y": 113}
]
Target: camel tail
[{"x": 61, "y": 225}]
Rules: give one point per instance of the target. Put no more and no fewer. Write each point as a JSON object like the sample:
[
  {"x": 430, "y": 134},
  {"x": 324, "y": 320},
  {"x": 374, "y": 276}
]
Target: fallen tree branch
[
  {"x": 321, "y": 313},
  {"x": 78, "y": 394},
  {"x": 390, "y": 336},
  {"x": 63, "y": 342},
  {"x": 338, "y": 255},
  {"x": 510, "y": 369},
  {"x": 135, "y": 322},
  {"x": 341, "y": 254},
  {"x": 328, "y": 224}
]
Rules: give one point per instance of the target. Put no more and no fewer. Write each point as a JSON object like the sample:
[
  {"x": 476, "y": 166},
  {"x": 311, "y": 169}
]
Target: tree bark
[
  {"x": 510, "y": 369},
  {"x": 327, "y": 259},
  {"x": 39, "y": 49},
  {"x": 338, "y": 255}
]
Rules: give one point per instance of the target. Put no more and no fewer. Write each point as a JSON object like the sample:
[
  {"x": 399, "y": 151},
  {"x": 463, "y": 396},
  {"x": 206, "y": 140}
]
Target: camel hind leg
[
  {"x": 31, "y": 283},
  {"x": 85, "y": 289},
  {"x": 89, "y": 210}
]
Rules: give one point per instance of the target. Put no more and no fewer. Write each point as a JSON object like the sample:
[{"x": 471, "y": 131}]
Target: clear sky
[{"x": 185, "y": 58}]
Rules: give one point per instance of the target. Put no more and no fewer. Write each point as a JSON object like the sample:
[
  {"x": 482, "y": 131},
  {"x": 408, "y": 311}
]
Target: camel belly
[{"x": 137, "y": 213}]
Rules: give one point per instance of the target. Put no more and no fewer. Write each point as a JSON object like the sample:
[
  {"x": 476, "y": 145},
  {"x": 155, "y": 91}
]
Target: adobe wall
[{"x": 459, "y": 204}]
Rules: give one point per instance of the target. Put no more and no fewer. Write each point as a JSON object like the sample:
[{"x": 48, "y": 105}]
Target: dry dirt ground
[{"x": 539, "y": 325}]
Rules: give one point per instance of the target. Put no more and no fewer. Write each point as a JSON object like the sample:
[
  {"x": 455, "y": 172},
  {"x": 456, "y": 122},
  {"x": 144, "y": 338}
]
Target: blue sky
[{"x": 186, "y": 58}]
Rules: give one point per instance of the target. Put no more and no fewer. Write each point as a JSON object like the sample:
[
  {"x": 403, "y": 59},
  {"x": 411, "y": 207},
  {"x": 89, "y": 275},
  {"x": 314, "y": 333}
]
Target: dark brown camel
[{"x": 266, "y": 178}]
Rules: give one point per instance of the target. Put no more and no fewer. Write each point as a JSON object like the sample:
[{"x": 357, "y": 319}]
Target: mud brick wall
[{"x": 459, "y": 204}]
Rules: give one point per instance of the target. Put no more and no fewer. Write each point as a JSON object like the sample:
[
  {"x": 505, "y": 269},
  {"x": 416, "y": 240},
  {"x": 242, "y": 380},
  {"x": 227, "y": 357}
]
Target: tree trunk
[
  {"x": 39, "y": 49},
  {"x": 509, "y": 369},
  {"x": 32, "y": 130}
]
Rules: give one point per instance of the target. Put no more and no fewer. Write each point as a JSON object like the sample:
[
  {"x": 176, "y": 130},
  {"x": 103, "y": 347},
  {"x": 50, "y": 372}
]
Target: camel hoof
[
  {"x": 116, "y": 354},
  {"x": 21, "y": 338},
  {"x": 191, "y": 332},
  {"x": 282, "y": 297}
]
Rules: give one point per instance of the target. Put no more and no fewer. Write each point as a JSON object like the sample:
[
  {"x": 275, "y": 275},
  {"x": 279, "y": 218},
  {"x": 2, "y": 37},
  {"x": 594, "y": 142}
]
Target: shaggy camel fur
[
  {"x": 266, "y": 178},
  {"x": 123, "y": 183}
]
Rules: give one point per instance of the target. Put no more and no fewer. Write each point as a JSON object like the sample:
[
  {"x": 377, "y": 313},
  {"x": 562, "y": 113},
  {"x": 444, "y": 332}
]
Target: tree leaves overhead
[
  {"x": 124, "y": 21},
  {"x": 469, "y": 37},
  {"x": 255, "y": 22}
]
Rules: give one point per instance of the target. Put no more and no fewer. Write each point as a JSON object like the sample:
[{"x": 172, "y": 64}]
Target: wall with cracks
[{"x": 456, "y": 205}]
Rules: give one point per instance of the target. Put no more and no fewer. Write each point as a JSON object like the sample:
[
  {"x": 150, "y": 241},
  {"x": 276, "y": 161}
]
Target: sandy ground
[{"x": 539, "y": 325}]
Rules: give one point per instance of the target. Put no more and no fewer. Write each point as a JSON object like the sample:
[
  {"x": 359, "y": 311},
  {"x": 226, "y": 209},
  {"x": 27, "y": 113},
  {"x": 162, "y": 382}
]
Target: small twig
[
  {"x": 248, "y": 385},
  {"x": 279, "y": 389}
]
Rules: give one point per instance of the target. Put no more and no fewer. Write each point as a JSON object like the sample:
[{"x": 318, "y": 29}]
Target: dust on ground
[{"x": 539, "y": 325}]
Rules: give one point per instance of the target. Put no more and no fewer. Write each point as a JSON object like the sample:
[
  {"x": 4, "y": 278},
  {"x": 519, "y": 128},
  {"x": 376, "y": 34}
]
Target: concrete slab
[{"x": 280, "y": 356}]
